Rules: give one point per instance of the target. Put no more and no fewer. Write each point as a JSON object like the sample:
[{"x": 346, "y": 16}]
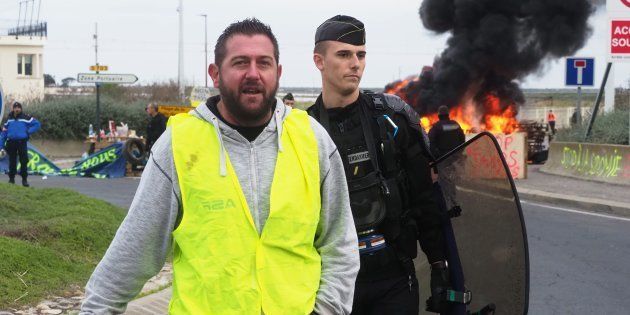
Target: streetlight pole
[
  {"x": 205, "y": 46},
  {"x": 180, "y": 67}
]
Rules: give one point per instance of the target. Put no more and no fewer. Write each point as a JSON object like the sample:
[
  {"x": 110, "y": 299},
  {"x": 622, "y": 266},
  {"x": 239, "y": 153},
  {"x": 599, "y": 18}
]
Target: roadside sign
[
  {"x": 618, "y": 6},
  {"x": 172, "y": 110},
  {"x": 106, "y": 78},
  {"x": 199, "y": 94},
  {"x": 619, "y": 44},
  {"x": 580, "y": 72},
  {"x": 98, "y": 68}
]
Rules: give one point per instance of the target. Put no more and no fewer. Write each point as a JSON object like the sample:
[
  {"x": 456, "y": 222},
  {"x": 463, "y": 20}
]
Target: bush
[
  {"x": 609, "y": 128},
  {"x": 69, "y": 118}
]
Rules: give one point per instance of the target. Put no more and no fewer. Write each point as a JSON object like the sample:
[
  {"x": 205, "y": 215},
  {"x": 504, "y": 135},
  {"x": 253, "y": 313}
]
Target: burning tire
[{"x": 134, "y": 151}]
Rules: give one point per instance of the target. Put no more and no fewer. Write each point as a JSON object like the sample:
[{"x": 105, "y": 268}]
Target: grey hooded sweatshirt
[{"x": 143, "y": 240}]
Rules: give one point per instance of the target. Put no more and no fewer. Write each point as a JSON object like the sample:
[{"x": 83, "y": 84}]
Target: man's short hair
[
  {"x": 154, "y": 105},
  {"x": 321, "y": 47},
  {"x": 250, "y": 27},
  {"x": 289, "y": 97}
]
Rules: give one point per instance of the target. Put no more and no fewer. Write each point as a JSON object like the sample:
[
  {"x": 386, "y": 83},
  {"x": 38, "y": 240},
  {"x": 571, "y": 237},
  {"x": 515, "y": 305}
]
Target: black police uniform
[
  {"x": 386, "y": 162},
  {"x": 445, "y": 135}
]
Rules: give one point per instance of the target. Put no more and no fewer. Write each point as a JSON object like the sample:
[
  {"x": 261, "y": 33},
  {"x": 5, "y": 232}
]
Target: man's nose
[
  {"x": 252, "y": 72},
  {"x": 354, "y": 62}
]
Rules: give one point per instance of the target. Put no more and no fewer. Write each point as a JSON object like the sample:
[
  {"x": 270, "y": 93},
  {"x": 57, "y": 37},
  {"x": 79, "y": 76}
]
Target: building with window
[{"x": 22, "y": 67}]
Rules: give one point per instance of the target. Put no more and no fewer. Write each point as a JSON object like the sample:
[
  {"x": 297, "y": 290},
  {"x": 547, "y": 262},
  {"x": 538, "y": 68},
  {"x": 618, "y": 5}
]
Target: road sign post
[
  {"x": 619, "y": 40},
  {"x": 106, "y": 78},
  {"x": 579, "y": 72},
  {"x": 100, "y": 78}
]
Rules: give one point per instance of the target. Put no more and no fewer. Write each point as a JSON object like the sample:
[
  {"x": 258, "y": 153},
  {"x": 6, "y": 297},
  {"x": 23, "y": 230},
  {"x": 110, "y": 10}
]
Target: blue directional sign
[{"x": 580, "y": 72}]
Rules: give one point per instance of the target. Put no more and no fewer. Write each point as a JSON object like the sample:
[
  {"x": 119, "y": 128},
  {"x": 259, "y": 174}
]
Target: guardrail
[{"x": 598, "y": 162}]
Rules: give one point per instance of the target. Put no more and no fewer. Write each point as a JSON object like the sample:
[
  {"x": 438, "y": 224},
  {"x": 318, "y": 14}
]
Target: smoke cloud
[{"x": 493, "y": 45}]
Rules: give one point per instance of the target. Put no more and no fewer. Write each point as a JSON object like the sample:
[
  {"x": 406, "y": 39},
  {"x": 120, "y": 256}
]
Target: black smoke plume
[{"x": 493, "y": 45}]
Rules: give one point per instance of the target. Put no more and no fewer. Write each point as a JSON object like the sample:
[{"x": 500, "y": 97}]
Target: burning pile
[
  {"x": 493, "y": 45},
  {"x": 485, "y": 114}
]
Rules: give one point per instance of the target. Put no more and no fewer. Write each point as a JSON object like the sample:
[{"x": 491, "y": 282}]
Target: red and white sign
[
  {"x": 620, "y": 39},
  {"x": 618, "y": 6}
]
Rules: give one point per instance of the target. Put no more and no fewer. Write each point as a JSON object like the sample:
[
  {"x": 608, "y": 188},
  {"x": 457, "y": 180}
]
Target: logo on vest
[
  {"x": 358, "y": 157},
  {"x": 219, "y": 204}
]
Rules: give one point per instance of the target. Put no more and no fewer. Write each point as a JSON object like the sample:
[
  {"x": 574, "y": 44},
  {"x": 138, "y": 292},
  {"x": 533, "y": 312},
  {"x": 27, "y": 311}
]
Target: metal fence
[{"x": 39, "y": 29}]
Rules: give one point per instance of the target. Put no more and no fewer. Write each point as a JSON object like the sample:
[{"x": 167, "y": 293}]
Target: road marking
[{"x": 576, "y": 211}]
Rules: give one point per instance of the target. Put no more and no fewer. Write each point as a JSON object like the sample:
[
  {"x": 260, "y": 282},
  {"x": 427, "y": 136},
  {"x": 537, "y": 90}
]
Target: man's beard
[{"x": 240, "y": 111}]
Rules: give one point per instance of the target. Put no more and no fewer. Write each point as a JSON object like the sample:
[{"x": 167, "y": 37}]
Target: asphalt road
[
  {"x": 118, "y": 191},
  {"x": 579, "y": 262}
]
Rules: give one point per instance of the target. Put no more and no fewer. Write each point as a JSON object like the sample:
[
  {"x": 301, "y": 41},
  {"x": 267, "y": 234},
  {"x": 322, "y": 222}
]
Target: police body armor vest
[{"x": 378, "y": 188}]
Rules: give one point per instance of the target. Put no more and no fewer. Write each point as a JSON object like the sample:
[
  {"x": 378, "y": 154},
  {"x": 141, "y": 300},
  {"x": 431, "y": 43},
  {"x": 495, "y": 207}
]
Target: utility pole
[
  {"x": 205, "y": 45},
  {"x": 180, "y": 72},
  {"x": 98, "y": 87}
]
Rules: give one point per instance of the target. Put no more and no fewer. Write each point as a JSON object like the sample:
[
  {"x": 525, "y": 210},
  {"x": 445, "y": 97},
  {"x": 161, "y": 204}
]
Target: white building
[{"x": 22, "y": 67}]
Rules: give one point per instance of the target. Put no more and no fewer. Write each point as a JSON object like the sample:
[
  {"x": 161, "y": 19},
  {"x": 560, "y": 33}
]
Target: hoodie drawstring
[
  {"x": 223, "y": 164},
  {"x": 279, "y": 128}
]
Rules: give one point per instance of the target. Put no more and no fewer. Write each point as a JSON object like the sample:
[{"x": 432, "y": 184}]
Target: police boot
[
  {"x": 11, "y": 180},
  {"x": 25, "y": 182}
]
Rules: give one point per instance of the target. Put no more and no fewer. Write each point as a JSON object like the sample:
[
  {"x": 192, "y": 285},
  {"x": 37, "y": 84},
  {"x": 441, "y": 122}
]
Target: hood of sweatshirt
[{"x": 273, "y": 129}]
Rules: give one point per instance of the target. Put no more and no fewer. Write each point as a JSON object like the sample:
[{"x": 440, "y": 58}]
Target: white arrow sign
[{"x": 106, "y": 78}]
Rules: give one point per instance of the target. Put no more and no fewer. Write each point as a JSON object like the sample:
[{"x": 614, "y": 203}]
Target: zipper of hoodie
[{"x": 254, "y": 181}]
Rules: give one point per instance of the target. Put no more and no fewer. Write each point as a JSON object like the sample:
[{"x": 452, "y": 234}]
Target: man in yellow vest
[{"x": 249, "y": 194}]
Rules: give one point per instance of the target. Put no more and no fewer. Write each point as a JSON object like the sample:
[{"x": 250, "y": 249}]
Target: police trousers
[
  {"x": 17, "y": 148},
  {"x": 392, "y": 296}
]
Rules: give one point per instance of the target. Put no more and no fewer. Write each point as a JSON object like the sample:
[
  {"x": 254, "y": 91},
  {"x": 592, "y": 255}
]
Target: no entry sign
[{"x": 620, "y": 39}]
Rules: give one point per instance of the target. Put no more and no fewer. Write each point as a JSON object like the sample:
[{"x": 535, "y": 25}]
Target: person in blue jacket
[{"x": 15, "y": 134}]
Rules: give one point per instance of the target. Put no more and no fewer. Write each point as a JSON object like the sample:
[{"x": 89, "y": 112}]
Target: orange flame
[{"x": 493, "y": 119}]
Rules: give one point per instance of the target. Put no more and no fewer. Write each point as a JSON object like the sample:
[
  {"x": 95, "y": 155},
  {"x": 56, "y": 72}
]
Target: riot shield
[{"x": 486, "y": 240}]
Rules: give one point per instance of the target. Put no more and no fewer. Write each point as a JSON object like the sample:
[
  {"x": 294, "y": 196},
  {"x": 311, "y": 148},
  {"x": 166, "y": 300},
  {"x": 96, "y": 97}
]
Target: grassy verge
[
  {"x": 50, "y": 239},
  {"x": 609, "y": 128}
]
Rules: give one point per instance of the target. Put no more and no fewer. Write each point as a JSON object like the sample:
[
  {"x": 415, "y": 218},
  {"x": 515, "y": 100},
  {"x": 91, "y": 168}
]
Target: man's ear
[
  {"x": 213, "y": 71},
  {"x": 319, "y": 61},
  {"x": 279, "y": 71}
]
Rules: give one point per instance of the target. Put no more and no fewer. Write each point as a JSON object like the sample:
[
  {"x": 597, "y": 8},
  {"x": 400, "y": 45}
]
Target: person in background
[
  {"x": 288, "y": 100},
  {"x": 551, "y": 120},
  {"x": 446, "y": 134},
  {"x": 156, "y": 126},
  {"x": 14, "y": 136}
]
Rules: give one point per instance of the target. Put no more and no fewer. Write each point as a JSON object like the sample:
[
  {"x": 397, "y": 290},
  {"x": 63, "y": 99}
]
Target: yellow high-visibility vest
[{"x": 220, "y": 263}]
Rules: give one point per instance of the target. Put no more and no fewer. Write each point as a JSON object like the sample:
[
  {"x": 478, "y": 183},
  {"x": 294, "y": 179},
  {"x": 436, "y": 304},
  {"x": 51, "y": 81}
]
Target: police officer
[
  {"x": 386, "y": 162},
  {"x": 446, "y": 134},
  {"x": 16, "y": 132}
]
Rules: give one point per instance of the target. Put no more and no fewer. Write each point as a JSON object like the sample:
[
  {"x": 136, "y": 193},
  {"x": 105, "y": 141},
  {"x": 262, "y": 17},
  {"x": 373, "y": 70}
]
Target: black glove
[{"x": 436, "y": 303}]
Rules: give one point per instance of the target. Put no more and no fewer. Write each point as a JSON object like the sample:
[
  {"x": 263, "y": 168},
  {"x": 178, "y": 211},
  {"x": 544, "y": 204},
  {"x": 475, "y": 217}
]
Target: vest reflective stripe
[{"x": 220, "y": 263}]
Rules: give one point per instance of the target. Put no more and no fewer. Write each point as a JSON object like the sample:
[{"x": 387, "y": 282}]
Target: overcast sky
[{"x": 141, "y": 37}]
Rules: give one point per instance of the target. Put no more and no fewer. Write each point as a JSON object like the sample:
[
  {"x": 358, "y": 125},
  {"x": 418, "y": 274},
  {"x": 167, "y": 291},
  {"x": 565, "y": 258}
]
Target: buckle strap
[
  {"x": 458, "y": 297},
  {"x": 371, "y": 243}
]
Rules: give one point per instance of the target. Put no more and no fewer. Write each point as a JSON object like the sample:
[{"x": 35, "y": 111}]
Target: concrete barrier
[
  {"x": 598, "y": 162},
  {"x": 514, "y": 149}
]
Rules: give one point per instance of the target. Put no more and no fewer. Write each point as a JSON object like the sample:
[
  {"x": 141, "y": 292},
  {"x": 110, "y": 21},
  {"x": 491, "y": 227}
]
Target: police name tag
[{"x": 358, "y": 157}]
